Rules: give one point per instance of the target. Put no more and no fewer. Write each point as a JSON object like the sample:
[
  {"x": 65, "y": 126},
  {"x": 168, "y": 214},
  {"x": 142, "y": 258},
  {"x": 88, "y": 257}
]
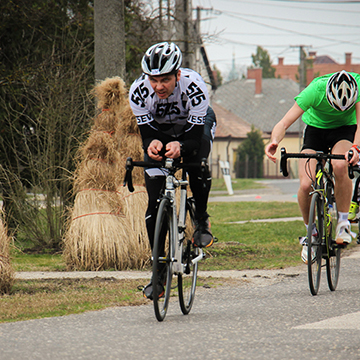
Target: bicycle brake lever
[
  {"x": 351, "y": 171},
  {"x": 283, "y": 163},
  {"x": 128, "y": 174}
]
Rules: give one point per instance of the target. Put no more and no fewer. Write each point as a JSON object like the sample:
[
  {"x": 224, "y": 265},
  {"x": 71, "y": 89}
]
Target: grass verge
[
  {"x": 263, "y": 245},
  {"x": 237, "y": 184},
  {"x": 37, "y": 299}
]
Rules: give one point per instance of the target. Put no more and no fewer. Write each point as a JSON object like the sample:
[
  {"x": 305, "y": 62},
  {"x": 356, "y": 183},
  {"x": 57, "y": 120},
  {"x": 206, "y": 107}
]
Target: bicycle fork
[{"x": 179, "y": 234}]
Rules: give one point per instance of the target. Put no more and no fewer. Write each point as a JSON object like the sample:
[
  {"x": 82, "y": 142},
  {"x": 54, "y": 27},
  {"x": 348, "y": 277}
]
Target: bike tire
[
  {"x": 162, "y": 265},
  {"x": 187, "y": 280},
  {"x": 333, "y": 250},
  {"x": 333, "y": 267},
  {"x": 314, "y": 267}
]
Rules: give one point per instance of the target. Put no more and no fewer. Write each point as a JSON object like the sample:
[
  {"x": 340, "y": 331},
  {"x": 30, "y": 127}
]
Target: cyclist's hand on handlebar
[
  {"x": 354, "y": 159},
  {"x": 173, "y": 150},
  {"x": 270, "y": 150},
  {"x": 154, "y": 149}
]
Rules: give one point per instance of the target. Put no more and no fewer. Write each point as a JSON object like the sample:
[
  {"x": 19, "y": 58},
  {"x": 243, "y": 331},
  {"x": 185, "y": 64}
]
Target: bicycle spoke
[
  {"x": 162, "y": 266},
  {"x": 314, "y": 244},
  {"x": 187, "y": 280}
]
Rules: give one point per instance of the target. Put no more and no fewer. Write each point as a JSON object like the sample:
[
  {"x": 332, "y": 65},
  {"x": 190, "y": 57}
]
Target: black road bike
[{"x": 322, "y": 249}]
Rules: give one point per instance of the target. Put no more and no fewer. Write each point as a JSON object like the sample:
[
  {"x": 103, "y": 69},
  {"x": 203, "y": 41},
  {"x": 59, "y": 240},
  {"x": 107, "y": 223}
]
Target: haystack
[
  {"x": 107, "y": 226},
  {"x": 7, "y": 277}
]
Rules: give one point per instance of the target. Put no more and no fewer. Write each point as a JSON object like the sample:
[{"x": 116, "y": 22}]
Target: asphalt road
[
  {"x": 275, "y": 318},
  {"x": 274, "y": 190},
  {"x": 260, "y": 315}
]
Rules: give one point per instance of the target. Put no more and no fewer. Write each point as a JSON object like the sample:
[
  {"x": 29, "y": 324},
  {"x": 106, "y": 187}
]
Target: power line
[
  {"x": 321, "y": 1},
  {"x": 266, "y": 3},
  {"x": 292, "y": 31},
  {"x": 234, "y": 14}
]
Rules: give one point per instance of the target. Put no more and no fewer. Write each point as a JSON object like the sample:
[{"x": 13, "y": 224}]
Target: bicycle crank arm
[{"x": 199, "y": 257}]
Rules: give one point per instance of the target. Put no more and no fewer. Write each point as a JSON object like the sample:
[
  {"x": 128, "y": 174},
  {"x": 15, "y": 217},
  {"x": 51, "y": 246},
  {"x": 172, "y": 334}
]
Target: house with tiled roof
[
  {"x": 262, "y": 103},
  {"x": 231, "y": 130},
  {"x": 320, "y": 65}
]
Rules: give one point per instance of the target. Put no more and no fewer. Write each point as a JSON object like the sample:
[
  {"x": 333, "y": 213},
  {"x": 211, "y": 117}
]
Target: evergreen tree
[
  {"x": 262, "y": 59},
  {"x": 218, "y": 76},
  {"x": 250, "y": 154}
]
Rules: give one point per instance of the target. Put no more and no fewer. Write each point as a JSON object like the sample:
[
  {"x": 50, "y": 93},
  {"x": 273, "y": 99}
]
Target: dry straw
[
  {"x": 6, "y": 271},
  {"x": 107, "y": 226}
]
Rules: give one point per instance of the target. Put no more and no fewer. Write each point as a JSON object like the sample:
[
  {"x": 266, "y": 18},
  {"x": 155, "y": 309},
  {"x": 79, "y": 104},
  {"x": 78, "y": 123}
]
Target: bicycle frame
[
  {"x": 322, "y": 177},
  {"x": 321, "y": 199},
  {"x": 171, "y": 183},
  {"x": 179, "y": 260}
]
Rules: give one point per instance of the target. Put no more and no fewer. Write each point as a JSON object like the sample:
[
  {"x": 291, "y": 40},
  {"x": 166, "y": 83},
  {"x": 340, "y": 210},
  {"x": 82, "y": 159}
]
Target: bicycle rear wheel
[
  {"x": 333, "y": 267},
  {"x": 314, "y": 245},
  {"x": 187, "y": 280},
  {"x": 334, "y": 251},
  {"x": 162, "y": 265}
]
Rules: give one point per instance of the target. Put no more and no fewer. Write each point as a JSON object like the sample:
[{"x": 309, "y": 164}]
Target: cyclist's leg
[
  {"x": 354, "y": 205},
  {"x": 153, "y": 186},
  {"x": 202, "y": 235},
  {"x": 343, "y": 184},
  {"x": 201, "y": 193},
  {"x": 341, "y": 140},
  {"x": 305, "y": 169},
  {"x": 343, "y": 193},
  {"x": 312, "y": 143}
]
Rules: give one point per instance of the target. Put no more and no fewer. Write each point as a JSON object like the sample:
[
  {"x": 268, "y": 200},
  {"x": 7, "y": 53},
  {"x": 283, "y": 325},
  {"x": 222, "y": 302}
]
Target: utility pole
[
  {"x": 302, "y": 66},
  {"x": 183, "y": 28},
  {"x": 302, "y": 79},
  {"x": 109, "y": 39},
  {"x": 302, "y": 69}
]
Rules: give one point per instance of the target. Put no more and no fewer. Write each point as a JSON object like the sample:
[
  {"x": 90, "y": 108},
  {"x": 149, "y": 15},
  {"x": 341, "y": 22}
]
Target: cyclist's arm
[
  {"x": 280, "y": 128},
  {"x": 354, "y": 160}
]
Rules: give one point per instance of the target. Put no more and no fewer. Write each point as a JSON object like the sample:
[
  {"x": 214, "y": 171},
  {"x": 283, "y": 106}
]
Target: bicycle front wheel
[
  {"x": 162, "y": 255},
  {"x": 333, "y": 250},
  {"x": 333, "y": 267},
  {"x": 187, "y": 280},
  {"x": 314, "y": 243}
]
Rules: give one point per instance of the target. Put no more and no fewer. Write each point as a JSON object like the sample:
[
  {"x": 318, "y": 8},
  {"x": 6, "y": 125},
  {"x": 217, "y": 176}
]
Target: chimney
[
  {"x": 309, "y": 75},
  {"x": 348, "y": 60},
  {"x": 257, "y": 75},
  {"x": 312, "y": 55},
  {"x": 280, "y": 61}
]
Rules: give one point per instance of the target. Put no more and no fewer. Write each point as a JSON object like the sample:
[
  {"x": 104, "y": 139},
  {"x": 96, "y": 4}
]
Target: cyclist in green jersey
[{"x": 330, "y": 108}]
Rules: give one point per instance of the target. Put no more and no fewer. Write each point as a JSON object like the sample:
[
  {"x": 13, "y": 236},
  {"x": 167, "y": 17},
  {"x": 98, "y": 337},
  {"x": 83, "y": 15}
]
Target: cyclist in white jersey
[{"x": 171, "y": 105}]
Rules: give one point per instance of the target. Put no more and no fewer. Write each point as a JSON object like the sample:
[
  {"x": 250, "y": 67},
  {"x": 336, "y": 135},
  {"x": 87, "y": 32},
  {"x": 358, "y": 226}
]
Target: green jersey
[{"x": 318, "y": 112}]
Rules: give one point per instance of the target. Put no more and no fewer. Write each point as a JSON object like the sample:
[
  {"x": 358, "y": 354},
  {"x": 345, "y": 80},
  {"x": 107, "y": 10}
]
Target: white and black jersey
[{"x": 179, "y": 117}]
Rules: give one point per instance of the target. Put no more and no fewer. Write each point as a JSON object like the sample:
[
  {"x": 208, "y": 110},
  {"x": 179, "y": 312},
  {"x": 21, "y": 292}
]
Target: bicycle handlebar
[
  {"x": 318, "y": 155},
  {"x": 169, "y": 164}
]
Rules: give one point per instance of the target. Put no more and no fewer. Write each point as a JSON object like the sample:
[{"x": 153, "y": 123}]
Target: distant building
[
  {"x": 261, "y": 103},
  {"x": 231, "y": 130},
  {"x": 320, "y": 65},
  {"x": 233, "y": 74}
]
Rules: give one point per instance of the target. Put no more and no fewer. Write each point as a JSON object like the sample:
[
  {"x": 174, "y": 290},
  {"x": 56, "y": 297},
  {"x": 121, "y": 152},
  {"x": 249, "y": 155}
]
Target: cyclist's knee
[
  {"x": 340, "y": 169},
  {"x": 305, "y": 186}
]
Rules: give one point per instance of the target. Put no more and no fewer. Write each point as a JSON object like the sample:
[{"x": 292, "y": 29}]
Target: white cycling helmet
[
  {"x": 161, "y": 59},
  {"x": 341, "y": 91}
]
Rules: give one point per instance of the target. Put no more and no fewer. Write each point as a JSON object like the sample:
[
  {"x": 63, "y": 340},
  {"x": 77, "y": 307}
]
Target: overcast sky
[{"x": 234, "y": 28}]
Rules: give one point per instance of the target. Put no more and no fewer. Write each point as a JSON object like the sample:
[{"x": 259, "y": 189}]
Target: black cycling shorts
[{"x": 324, "y": 139}]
